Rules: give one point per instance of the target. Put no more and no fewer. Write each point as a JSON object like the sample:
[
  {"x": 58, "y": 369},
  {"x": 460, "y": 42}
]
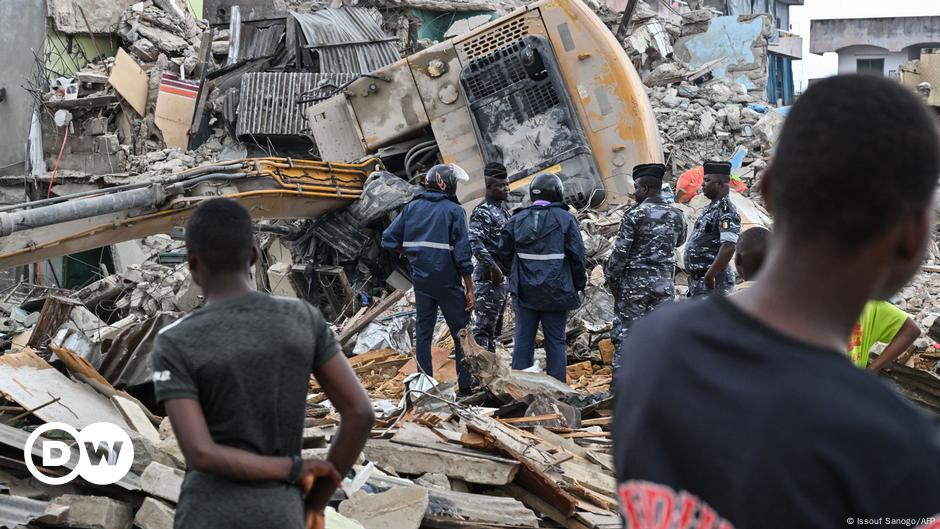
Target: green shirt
[{"x": 879, "y": 323}]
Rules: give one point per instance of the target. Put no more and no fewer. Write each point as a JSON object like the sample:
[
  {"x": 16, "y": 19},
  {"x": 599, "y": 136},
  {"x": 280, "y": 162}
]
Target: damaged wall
[
  {"x": 740, "y": 42},
  {"x": 18, "y": 41},
  {"x": 102, "y": 15}
]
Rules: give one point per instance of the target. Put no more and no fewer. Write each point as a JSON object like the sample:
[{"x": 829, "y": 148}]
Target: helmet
[
  {"x": 547, "y": 186},
  {"x": 445, "y": 177}
]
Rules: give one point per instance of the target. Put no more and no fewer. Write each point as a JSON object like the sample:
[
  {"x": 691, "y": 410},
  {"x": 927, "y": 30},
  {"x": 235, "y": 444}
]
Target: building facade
[{"x": 874, "y": 45}]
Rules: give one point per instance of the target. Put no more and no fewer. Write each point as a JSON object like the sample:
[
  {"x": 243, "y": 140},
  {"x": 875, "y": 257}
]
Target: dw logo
[{"x": 105, "y": 453}]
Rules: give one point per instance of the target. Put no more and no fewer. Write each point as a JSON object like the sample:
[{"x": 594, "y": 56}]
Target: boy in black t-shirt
[
  {"x": 233, "y": 376},
  {"x": 752, "y": 416}
]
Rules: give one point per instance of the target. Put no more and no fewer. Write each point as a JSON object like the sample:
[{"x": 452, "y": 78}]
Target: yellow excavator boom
[{"x": 270, "y": 188}]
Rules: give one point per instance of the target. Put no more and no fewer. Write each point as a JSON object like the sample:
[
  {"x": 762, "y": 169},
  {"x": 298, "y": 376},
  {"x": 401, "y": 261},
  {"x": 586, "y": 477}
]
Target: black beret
[
  {"x": 722, "y": 168},
  {"x": 655, "y": 170},
  {"x": 495, "y": 170}
]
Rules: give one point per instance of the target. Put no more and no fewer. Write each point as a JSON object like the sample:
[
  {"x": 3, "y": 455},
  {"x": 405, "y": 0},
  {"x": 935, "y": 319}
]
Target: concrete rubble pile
[
  {"x": 524, "y": 451},
  {"x": 709, "y": 102},
  {"x": 113, "y": 110}
]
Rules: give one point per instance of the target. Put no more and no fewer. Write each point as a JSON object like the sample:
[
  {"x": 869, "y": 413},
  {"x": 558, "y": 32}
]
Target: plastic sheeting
[{"x": 392, "y": 334}]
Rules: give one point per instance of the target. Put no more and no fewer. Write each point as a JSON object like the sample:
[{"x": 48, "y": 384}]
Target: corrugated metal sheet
[
  {"x": 347, "y": 40},
  {"x": 16, "y": 511},
  {"x": 268, "y": 103}
]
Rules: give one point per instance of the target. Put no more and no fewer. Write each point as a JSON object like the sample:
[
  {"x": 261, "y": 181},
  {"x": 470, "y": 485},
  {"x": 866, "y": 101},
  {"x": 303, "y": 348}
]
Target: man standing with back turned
[
  {"x": 752, "y": 417},
  {"x": 432, "y": 231},
  {"x": 641, "y": 270},
  {"x": 711, "y": 246},
  {"x": 542, "y": 246},
  {"x": 233, "y": 377},
  {"x": 486, "y": 222}
]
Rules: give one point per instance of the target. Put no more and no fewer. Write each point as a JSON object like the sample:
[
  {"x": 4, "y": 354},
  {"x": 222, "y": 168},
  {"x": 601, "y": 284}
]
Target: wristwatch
[{"x": 297, "y": 464}]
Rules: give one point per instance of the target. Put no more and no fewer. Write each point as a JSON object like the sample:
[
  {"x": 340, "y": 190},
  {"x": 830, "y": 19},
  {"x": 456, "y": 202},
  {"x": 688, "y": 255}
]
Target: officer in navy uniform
[
  {"x": 641, "y": 270},
  {"x": 431, "y": 231},
  {"x": 489, "y": 285},
  {"x": 711, "y": 245},
  {"x": 542, "y": 246}
]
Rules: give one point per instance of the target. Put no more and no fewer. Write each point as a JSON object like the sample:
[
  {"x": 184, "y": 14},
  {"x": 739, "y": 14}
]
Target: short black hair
[
  {"x": 753, "y": 241},
  {"x": 856, "y": 154},
  {"x": 220, "y": 233},
  {"x": 651, "y": 181},
  {"x": 751, "y": 250}
]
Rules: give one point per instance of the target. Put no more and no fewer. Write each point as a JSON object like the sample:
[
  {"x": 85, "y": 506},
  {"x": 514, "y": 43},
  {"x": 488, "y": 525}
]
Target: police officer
[
  {"x": 432, "y": 231},
  {"x": 542, "y": 246},
  {"x": 489, "y": 286},
  {"x": 711, "y": 244},
  {"x": 641, "y": 269}
]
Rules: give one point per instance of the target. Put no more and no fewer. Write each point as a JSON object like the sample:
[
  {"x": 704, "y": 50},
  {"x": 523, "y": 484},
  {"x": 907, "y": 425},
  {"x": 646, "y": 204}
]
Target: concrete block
[
  {"x": 154, "y": 514},
  {"x": 107, "y": 144},
  {"x": 91, "y": 512},
  {"x": 396, "y": 508},
  {"x": 96, "y": 126},
  {"x": 162, "y": 481},
  {"x": 146, "y": 452}
]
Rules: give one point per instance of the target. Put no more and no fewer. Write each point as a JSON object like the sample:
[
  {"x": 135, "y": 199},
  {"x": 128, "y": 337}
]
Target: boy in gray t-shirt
[{"x": 233, "y": 377}]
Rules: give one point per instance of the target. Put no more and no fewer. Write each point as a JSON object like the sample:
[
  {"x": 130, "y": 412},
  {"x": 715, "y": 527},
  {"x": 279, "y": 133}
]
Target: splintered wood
[
  {"x": 586, "y": 377},
  {"x": 539, "y": 457}
]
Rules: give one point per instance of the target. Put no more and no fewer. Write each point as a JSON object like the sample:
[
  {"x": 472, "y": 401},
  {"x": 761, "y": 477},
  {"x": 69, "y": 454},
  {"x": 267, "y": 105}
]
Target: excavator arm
[{"x": 270, "y": 188}]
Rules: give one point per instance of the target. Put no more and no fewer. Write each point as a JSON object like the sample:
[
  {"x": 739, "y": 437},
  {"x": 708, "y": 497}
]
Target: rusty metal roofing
[
  {"x": 347, "y": 40},
  {"x": 16, "y": 511}
]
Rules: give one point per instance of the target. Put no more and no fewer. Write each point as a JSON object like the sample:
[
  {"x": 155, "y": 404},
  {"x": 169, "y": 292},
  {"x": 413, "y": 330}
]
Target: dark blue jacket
[
  {"x": 432, "y": 231},
  {"x": 542, "y": 246}
]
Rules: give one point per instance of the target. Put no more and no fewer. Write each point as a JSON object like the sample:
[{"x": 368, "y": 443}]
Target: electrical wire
[{"x": 55, "y": 170}]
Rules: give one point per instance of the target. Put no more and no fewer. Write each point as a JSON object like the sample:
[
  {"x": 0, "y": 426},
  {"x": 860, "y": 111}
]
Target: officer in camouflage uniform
[
  {"x": 641, "y": 269},
  {"x": 711, "y": 246},
  {"x": 486, "y": 222}
]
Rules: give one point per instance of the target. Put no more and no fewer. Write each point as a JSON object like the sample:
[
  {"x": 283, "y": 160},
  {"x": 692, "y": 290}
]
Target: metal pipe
[
  {"x": 184, "y": 175},
  {"x": 11, "y": 222},
  {"x": 180, "y": 187}
]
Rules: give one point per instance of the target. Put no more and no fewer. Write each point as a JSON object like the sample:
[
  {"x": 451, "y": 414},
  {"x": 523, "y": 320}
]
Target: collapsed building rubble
[{"x": 525, "y": 450}]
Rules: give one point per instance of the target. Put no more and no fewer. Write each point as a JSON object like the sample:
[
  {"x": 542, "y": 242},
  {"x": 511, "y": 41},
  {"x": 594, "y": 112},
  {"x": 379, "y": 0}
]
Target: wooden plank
[
  {"x": 534, "y": 418},
  {"x": 417, "y": 460},
  {"x": 543, "y": 507},
  {"x": 353, "y": 328},
  {"x": 30, "y": 382},
  {"x": 582, "y": 435},
  {"x": 591, "y": 476},
  {"x": 600, "y": 421},
  {"x": 534, "y": 460}
]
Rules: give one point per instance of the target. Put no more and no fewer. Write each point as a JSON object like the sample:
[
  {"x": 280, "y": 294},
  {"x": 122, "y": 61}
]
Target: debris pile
[{"x": 709, "y": 100}]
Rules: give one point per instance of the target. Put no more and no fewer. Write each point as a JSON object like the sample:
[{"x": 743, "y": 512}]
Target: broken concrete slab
[
  {"x": 162, "y": 481},
  {"x": 456, "y": 462},
  {"x": 335, "y": 520},
  {"x": 90, "y": 512},
  {"x": 154, "y": 514},
  {"x": 434, "y": 480},
  {"x": 136, "y": 418},
  {"x": 396, "y": 508},
  {"x": 447, "y": 507},
  {"x": 146, "y": 452}
]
